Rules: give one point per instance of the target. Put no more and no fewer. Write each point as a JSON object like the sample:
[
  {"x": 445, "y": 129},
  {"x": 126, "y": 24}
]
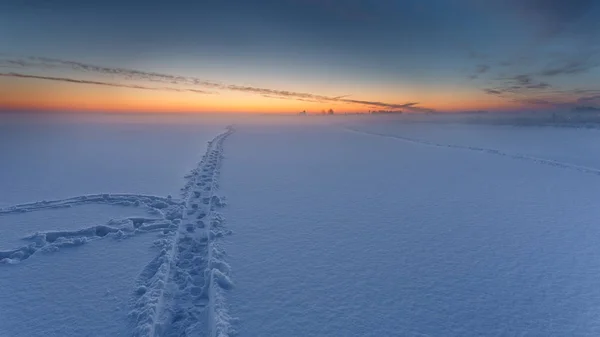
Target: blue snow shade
[
  {"x": 372, "y": 234},
  {"x": 151, "y": 268},
  {"x": 343, "y": 226}
]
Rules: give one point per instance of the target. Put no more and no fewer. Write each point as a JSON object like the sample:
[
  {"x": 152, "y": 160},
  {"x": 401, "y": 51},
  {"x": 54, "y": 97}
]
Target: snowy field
[
  {"x": 375, "y": 228},
  {"x": 336, "y": 226},
  {"x": 89, "y": 210}
]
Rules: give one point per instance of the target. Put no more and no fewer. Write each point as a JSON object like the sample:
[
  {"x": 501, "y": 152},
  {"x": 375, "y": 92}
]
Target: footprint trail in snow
[
  {"x": 180, "y": 292},
  {"x": 163, "y": 210}
]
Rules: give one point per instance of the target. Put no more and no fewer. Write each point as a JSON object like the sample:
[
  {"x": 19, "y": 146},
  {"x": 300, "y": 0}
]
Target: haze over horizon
[{"x": 292, "y": 55}]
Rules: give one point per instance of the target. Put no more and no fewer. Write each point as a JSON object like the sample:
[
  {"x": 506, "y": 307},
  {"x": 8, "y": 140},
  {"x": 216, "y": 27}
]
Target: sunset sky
[{"x": 293, "y": 55}]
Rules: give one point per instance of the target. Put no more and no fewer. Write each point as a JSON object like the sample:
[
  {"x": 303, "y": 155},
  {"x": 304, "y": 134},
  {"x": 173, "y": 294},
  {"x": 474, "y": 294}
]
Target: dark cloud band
[
  {"x": 107, "y": 84},
  {"x": 153, "y": 77}
]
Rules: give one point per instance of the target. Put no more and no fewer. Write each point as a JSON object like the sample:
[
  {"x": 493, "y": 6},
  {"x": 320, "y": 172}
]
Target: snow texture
[
  {"x": 344, "y": 227},
  {"x": 16, "y": 226},
  {"x": 167, "y": 208},
  {"x": 179, "y": 292},
  {"x": 419, "y": 232},
  {"x": 51, "y": 158}
]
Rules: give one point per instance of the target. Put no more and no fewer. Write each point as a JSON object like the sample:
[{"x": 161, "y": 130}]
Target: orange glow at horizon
[{"x": 32, "y": 94}]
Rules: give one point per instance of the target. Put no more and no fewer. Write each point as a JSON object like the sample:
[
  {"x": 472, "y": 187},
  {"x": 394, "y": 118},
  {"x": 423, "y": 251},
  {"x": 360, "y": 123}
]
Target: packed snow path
[{"x": 178, "y": 292}]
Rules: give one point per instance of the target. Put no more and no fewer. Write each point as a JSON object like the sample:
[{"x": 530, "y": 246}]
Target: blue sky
[{"x": 526, "y": 54}]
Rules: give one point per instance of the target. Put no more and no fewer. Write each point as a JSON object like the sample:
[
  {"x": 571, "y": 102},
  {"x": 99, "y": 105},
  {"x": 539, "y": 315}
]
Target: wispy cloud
[
  {"x": 122, "y": 74},
  {"x": 479, "y": 70},
  {"x": 595, "y": 99},
  {"x": 526, "y": 82},
  {"x": 493, "y": 91},
  {"x": 559, "y": 102},
  {"x": 519, "y": 84},
  {"x": 522, "y": 80},
  {"x": 108, "y": 84},
  {"x": 554, "y": 98},
  {"x": 570, "y": 67},
  {"x": 482, "y": 68},
  {"x": 536, "y": 101}
]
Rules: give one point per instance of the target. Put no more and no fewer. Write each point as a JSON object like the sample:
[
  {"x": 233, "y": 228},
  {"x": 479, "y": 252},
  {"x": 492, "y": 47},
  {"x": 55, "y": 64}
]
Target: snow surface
[
  {"x": 82, "y": 291},
  {"x": 114, "y": 226},
  {"x": 350, "y": 233},
  {"x": 19, "y": 225},
  {"x": 563, "y": 145},
  {"x": 95, "y": 239},
  {"x": 50, "y": 159}
]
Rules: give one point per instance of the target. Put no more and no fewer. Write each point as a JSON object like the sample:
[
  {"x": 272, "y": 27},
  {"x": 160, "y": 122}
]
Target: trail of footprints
[
  {"x": 151, "y": 202},
  {"x": 50, "y": 241},
  {"x": 179, "y": 292},
  {"x": 164, "y": 209}
]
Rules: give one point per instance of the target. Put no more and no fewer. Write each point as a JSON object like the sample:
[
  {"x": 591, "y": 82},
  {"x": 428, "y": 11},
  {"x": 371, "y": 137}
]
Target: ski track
[
  {"x": 181, "y": 291},
  {"x": 543, "y": 161}
]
